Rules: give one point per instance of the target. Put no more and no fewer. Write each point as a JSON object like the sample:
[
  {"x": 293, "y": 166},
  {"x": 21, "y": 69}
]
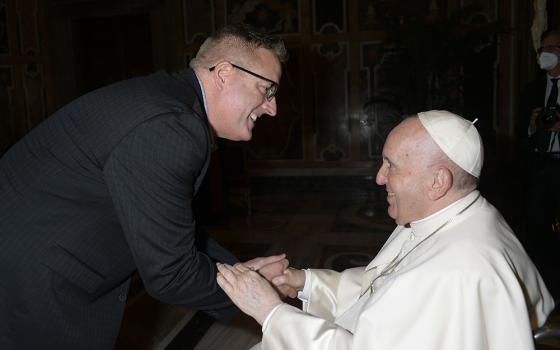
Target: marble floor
[{"x": 317, "y": 224}]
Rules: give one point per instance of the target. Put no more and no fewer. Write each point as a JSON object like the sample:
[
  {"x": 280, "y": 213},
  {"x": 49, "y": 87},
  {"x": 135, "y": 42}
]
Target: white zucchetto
[{"x": 457, "y": 138}]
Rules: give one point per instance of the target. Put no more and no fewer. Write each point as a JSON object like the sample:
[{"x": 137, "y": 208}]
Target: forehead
[
  {"x": 553, "y": 39},
  {"x": 409, "y": 143},
  {"x": 268, "y": 64},
  {"x": 398, "y": 143}
]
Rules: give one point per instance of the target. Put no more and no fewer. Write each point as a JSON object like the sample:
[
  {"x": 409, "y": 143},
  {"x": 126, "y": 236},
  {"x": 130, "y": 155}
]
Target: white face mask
[{"x": 548, "y": 60}]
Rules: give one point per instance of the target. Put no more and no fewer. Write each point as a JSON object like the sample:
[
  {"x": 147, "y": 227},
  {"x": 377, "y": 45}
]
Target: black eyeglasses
[{"x": 270, "y": 91}]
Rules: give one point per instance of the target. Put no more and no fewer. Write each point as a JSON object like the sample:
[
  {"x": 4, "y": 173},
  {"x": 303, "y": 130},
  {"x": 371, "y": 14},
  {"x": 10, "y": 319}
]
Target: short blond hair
[{"x": 236, "y": 43}]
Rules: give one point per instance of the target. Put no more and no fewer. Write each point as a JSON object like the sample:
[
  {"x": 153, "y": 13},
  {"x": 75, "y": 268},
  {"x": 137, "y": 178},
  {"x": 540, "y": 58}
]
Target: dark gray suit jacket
[
  {"x": 532, "y": 97},
  {"x": 101, "y": 189}
]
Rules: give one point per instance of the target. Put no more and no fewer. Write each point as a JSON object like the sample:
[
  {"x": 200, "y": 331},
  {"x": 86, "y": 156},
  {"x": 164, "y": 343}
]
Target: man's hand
[
  {"x": 248, "y": 290},
  {"x": 533, "y": 121},
  {"x": 258, "y": 263},
  {"x": 290, "y": 282},
  {"x": 270, "y": 267}
]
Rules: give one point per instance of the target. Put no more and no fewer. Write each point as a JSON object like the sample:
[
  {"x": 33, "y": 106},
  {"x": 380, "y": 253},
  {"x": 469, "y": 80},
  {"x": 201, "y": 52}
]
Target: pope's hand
[
  {"x": 270, "y": 267},
  {"x": 290, "y": 282},
  {"x": 248, "y": 290},
  {"x": 258, "y": 263}
]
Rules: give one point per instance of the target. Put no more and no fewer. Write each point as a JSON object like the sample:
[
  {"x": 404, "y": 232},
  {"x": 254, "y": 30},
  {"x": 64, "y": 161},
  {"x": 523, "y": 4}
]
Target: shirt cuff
[
  {"x": 304, "y": 294},
  {"x": 265, "y": 323}
]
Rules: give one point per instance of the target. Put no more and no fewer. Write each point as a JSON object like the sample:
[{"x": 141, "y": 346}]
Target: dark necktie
[{"x": 553, "y": 97}]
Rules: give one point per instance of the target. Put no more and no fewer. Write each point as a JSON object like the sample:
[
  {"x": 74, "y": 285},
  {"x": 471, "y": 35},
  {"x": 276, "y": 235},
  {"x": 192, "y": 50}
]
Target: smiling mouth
[
  {"x": 390, "y": 194},
  {"x": 253, "y": 117}
]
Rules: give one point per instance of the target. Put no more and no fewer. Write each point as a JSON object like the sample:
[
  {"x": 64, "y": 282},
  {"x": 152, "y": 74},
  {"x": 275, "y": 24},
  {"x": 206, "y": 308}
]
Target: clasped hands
[{"x": 257, "y": 286}]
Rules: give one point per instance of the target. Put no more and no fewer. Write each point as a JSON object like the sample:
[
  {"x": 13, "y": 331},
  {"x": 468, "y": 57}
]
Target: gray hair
[
  {"x": 462, "y": 180},
  {"x": 238, "y": 43}
]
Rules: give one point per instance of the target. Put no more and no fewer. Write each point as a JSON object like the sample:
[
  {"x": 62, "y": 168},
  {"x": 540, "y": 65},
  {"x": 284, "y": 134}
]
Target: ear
[
  {"x": 221, "y": 74},
  {"x": 442, "y": 181}
]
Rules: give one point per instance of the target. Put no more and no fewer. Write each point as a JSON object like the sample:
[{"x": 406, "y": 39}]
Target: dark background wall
[{"x": 356, "y": 67}]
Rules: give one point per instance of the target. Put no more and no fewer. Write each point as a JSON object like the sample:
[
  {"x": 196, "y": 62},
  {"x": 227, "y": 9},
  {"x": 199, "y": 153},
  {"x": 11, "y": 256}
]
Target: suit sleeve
[
  {"x": 209, "y": 246},
  {"x": 151, "y": 177},
  {"x": 530, "y": 98}
]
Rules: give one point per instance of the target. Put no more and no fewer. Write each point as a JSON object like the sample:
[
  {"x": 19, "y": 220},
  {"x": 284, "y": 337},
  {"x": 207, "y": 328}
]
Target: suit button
[{"x": 122, "y": 297}]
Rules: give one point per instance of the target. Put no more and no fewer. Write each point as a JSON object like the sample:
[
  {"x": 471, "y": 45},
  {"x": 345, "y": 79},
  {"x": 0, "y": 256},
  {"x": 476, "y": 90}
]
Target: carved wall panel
[
  {"x": 4, "y": 44},
  {"x": 34, "y": 92},
  {"x": 22, "y": 90},
  {"x": 379, "y": 98},
  {"x": 367, "y": 15},
  {"x": 330, "y": 68},
  {"x": 329, "y": 16},
  {"x": 7, "y": 128},
  {"x": 28, "y": 24},
  {"x": 281, "y": 137},
  {"x": 488, "y": 9},
  {"x": 198, "y": 20},
  {"x": 341, "y": 91},
  {"x": 275, "y": 16}
]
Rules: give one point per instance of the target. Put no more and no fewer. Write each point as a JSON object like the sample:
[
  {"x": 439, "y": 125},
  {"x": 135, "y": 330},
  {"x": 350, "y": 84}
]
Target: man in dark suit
[
  {"x": 540, "y": 128},
  {"x": 104, "y": 188}
]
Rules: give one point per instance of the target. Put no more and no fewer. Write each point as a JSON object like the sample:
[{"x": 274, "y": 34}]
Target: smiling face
[
  {"x": 406, "y": 173},
  {"x": 242, "y": 99}
]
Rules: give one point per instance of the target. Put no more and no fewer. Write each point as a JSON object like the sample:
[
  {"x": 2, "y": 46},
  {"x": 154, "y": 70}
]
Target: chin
[
  {"x": 398, "y": 220},
  {"x": 240, "y": 137},
  {"x": 246, "y": 137}
]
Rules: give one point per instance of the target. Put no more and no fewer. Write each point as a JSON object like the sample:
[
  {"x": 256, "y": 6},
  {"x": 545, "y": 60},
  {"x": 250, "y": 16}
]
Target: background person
[{"x": 540, "y": 130}]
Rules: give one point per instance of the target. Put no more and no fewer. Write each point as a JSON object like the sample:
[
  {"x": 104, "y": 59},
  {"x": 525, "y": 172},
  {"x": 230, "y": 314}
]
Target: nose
[
  {"x": 381, "y": 178},
  {"x": 269, "y": 107}
]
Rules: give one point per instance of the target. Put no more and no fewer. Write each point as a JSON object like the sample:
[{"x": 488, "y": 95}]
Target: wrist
[{"x": 267, "y": 312}]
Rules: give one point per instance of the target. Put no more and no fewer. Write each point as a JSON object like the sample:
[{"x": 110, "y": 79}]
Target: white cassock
[{"x": 469, "y": 286}]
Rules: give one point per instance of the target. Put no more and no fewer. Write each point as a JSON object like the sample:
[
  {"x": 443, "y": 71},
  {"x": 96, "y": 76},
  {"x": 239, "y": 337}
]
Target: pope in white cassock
[{"x": 452, "y": 275}]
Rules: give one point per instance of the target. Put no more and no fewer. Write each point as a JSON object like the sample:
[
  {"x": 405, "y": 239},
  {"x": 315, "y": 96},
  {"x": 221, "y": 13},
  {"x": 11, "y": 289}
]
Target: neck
[
  {"x": 429, "y": 219},
  {"x": 445, "y": 201},
  {"x": 209, "y": 96}
]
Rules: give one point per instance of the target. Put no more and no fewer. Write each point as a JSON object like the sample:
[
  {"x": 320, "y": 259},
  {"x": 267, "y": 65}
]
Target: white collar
[
  {"x": 426, "y": 225},
  {"x": 203, "y": 94},
  {"x": 421, "y": 228}
]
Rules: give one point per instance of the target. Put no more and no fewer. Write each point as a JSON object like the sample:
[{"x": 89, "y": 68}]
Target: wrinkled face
[
  {"x": 404, "y": 173},
  {"x": 244, "y": 98}
]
